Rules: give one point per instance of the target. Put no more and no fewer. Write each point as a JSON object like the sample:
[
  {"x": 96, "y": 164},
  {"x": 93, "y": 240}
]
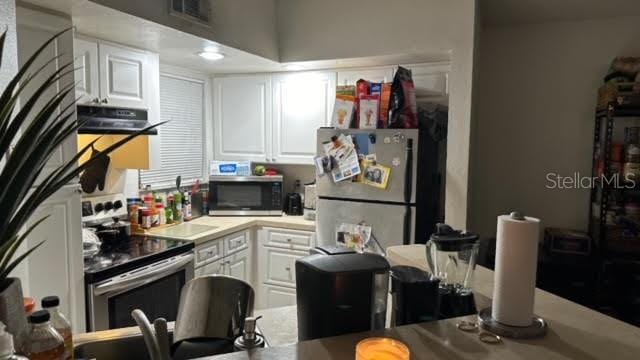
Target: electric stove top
[{"x": 126, "y": 256}]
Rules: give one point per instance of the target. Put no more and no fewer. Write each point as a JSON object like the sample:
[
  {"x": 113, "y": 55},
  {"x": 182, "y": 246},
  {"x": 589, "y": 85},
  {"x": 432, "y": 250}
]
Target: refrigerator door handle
[
  {"x": 408, "y": 176},
  {"x": 406, "y": 226}
]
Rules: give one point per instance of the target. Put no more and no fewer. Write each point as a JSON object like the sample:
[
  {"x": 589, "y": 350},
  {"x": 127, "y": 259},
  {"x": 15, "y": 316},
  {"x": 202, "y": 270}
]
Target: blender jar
[{"x": 451, "y": 256}]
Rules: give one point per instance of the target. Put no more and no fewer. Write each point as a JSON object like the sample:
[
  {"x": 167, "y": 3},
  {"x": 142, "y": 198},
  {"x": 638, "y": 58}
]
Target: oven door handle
[{"x": 143, "y": 277}]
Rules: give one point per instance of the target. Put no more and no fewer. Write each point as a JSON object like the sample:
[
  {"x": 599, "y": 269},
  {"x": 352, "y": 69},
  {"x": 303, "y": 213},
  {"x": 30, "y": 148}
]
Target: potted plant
[{"x": 29, "y": 135}]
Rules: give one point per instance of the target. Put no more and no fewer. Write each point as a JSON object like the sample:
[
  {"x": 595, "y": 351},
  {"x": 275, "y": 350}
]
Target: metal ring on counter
[
  {"x": 467, "y": 326},
  {"x": 489, "y": 338}
]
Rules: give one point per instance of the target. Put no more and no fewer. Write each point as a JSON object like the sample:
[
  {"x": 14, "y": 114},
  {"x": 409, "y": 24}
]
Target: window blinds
[{"x": 181, "y": 139}]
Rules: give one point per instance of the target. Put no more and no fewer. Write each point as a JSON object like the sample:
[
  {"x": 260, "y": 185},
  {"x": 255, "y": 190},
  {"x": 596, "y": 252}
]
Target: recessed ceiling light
[
  {"x": 211, "y": 55},
  {"x": 294, "y": 67}
]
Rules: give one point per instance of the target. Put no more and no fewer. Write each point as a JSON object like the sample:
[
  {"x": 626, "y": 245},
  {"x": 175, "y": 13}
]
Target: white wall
[
  {"x": 333, "y": 29},
  {"x": 248, "y": 25},
  {"x": 536, "y": 95},
  {"x": 10, "y": 54}
]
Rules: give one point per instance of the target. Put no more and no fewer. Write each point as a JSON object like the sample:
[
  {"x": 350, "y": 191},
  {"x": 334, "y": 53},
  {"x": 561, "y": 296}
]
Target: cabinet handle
[
  {"x": 105, "y": 101},
  {"x": 95, "y": 101},
  {"x": 273, "y": 159},
  {"x": 288, "y": 268}
]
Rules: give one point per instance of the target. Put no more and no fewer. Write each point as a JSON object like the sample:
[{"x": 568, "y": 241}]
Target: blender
[{"x": 451, "y": 256}]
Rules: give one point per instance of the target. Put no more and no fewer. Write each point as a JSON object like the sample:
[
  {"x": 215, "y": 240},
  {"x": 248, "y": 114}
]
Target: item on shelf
[
  {"x": 632, "y": 210},
  {"x": 348, "y": 90},
  {"x": 343, "y": 111},
  {"x": 385, "y": 98},
  {"x": 631, "y": 171},
  {"x": 566, "y": 241},
  {"x": 632, "y": 153},
  {"x": 615, "y": 168},
  {"x": 368, "y": 113},
  {"x": 616, "y": 153},
  {"x": 59, "y": 323},
  {"x": 162, "y": 216},
  {"x": 232, "y": 168},
  {"x": 404, "y": 112},
  {"x": 632, "y": 135},
  {"x": 362, "y": 88}
]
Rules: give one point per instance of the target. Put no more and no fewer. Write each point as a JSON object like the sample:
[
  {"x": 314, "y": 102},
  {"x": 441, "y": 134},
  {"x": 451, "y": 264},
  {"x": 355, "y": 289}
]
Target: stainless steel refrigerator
[{"x": 407, "y": 210}]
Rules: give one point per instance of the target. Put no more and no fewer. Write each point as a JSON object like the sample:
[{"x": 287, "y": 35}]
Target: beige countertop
[
  {"x": 575, "y": 332},
  {"x": 225, "y": 225}
]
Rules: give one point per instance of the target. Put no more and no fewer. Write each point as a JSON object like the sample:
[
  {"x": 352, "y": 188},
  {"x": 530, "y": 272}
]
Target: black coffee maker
[{"x": 340, "y": 292}]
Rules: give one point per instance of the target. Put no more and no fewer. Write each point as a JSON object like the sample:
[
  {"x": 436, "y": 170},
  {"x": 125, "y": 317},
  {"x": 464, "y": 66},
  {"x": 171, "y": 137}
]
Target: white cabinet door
[
  {"x": 123, "y": 76},
  {"x": 85, "y": 54},
  {"x": 242, "y": 117},
  {"x": 212, "y": 268},
  {"x": 56, "y": 267},
  {"x": 430, "y": 81},
  {"x": 303, "y": 102},
  {"x": 277, "y": 296},
  {"x": 381, "y": 74},
  {"x": 30, "y": 38},
  {"x": 238, "y": 265}
]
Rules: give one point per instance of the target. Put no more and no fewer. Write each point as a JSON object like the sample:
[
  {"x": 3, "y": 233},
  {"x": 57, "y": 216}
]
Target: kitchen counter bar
[{"x": 575, "y": 332}]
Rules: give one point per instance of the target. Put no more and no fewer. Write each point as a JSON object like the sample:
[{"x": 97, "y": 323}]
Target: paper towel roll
[{"x": 515, "y": 271}]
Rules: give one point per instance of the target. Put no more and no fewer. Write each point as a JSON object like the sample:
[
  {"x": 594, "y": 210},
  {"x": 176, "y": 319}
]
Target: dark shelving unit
[{"x": 616, "y": 250}]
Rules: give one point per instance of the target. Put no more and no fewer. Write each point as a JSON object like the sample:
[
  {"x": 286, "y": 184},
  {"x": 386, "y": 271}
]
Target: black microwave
[{"x": 245, "y": 195}]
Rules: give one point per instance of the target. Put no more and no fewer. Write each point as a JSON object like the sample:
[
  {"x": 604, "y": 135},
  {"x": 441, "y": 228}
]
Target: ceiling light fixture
[{"x": 211, "y": 55}]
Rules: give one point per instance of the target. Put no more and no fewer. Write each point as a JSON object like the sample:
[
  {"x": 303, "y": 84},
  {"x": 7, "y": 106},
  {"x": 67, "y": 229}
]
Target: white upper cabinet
[
  {"x": 303, "y": 102},
  {"x": 242, "y": 117},
  {"x": 379, "y": 74},
  {"x": 123, "y": 77},
  {"x": 86, "y": 75},
  {"x": 430, "y": 80},
  {"x": 114, "y": 75}
]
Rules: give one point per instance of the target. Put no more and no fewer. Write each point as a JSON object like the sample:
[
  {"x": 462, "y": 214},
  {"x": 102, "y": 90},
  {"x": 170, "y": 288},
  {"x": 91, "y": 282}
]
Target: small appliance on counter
[
  {"x": 293, "y": 204},
  {"x": 245, "y": 195},
  {"x": 123, "y": 272},
  {"x": 339, "y": 293},
  {"x": 451, "y": 256},
  {"x": 415, "y": 296}
]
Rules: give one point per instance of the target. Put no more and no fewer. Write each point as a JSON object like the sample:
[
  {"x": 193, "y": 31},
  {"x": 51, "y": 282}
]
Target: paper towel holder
[{"x": 538, "y": 327}]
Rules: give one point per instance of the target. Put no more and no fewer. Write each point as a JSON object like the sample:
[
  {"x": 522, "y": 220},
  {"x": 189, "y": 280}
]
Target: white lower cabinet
[
  {"x": 56, "y": 267},
  {"x": 230, "y": 255},
  {"x": 277, "y": 296},
  {"x": 278, "y": 250}
]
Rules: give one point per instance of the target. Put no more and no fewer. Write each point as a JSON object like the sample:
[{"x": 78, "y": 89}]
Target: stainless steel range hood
[{"x": 113, "y": 120}]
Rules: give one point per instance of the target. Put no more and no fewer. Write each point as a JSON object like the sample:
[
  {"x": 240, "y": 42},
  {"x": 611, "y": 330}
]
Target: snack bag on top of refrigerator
[
  {"x": 404, "y": 113},
  {"x": 383, "y": 112}
]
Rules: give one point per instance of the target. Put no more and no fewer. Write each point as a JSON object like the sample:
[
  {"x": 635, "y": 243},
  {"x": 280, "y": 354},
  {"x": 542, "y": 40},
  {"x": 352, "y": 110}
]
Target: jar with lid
[
  {"x": 59, "y": 323},
  {"x": 145, "y": 220},
  {"x": 155, "y": 216},
  {"x": 43, "y": 342},
  {"x": 161, "y": 213}
]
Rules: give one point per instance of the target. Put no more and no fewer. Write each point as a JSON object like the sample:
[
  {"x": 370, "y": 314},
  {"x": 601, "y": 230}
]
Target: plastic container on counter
[
  {"x": 43, "y": 342},
  {"x": 59, "y": 323}
]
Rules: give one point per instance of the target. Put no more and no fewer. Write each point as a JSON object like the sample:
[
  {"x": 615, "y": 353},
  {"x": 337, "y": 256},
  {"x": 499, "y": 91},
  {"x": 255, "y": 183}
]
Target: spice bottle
[
  {"x": 60, "y": 323},
  {"x": 161, "y": 214},
  {"x": 43, "y": 342},
  {"x": 177, "y": 209},
  {"x": 145, "y": 221},
  {"x": 168, "y": 211}
]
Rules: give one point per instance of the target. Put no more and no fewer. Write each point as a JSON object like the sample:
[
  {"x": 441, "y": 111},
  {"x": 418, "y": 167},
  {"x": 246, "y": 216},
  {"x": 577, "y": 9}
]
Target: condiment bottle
[
  {"x": 43, "y": 342},
  {"x": 60, "y": 323},
  {"x": 155, "y": 215},
  {"x": 145, "y": 222},
  {"x": 186, "y": 208},
  {"x": 7, "y": 351},
  {"x": 177, "y": 210},
  {"x": 168, "y": 211},
  {"x": 161, "y": 213}
]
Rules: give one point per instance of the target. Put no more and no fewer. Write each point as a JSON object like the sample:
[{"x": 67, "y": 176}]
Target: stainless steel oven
[
  {"x": 153, "y": 288},
  {"x": 245, "y": 195}
]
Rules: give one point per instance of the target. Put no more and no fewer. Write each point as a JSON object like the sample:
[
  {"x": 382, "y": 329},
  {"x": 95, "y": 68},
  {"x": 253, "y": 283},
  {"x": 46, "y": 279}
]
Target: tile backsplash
[{"x": 291, "y": 173}]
